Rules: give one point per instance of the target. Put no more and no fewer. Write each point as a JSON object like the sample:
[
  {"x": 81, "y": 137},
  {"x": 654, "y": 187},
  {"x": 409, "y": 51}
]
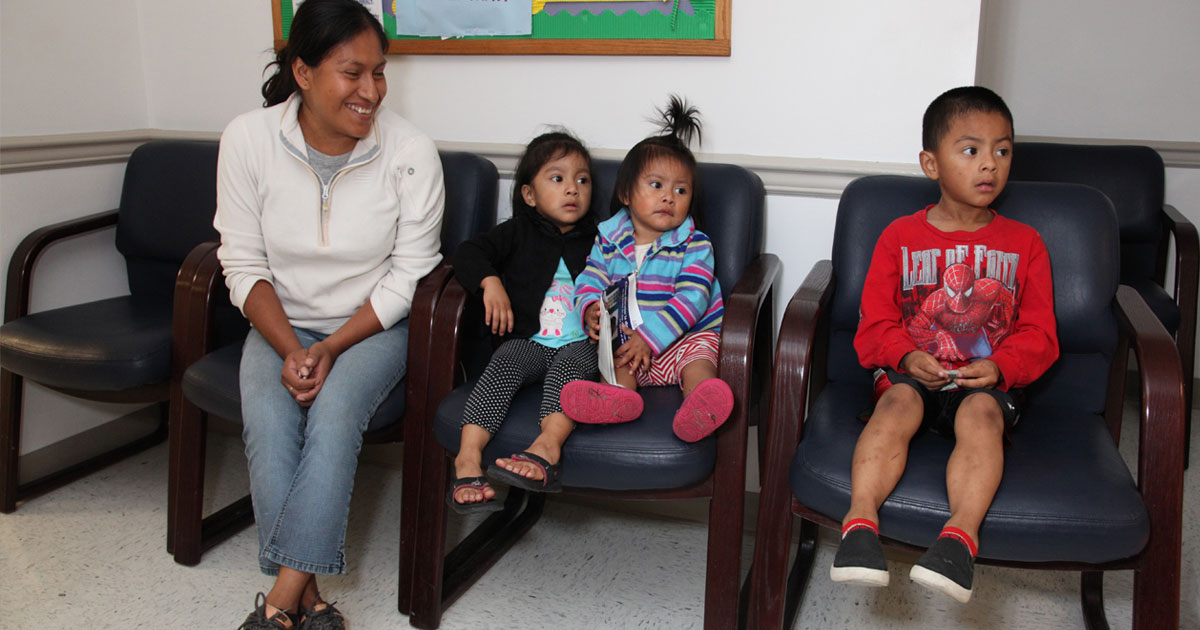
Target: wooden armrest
[
  {"x": 1161, "y": 437},
  {"x": 446, "y": 343},
  {"x": 793, "y": 362},
  {"x": 20, "y": 267},
  {"x": 739, "y": 331},
  {"x": 1187, "y": 248},
  {"x": 1187, "y": 276},
  {"x": 421, "y": 345},
  {"x": 191, "y": 322},
  {"x": 742, "y": 308},
  {"x": 794, "y": 354}
]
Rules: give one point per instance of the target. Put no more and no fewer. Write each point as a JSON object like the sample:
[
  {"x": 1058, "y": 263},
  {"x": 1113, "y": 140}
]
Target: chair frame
[
  {"x": 16, "y": 305},
  {"x": 800, "y": 357},
  {"x": 1187, "y": 276},
  {"x": 437, "y": 581},
  {"x": 189, "y": 532}
]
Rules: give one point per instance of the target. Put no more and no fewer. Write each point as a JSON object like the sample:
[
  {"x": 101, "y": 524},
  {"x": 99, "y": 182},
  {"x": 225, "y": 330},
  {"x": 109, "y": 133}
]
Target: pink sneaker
[
  {"x": 599, "y": 403},
  {"x": 705, "y": 409}
]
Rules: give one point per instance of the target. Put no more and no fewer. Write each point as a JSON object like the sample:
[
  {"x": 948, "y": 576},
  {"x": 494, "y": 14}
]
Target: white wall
[
  {"x": 1101, "y": 69},
  {"x": 70, "y": 69},
  {"x": 203, "y": 65}
]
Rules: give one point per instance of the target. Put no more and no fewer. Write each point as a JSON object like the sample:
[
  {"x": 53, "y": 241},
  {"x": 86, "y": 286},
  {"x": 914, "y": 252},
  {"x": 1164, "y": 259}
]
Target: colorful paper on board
[
  {"x": 538, "y": 5},
  {"x": 461, "y": 18},
  {"x": 374, "y": 6}
]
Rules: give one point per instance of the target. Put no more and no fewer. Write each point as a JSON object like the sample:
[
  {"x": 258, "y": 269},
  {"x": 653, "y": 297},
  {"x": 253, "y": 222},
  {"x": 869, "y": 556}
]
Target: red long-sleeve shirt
[{"x": 960, "y": 296}]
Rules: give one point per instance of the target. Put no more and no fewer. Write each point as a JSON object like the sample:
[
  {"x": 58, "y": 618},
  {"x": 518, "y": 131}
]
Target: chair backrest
[
  {"x": 1131, "y": 176},
  {"x": 472, "y": 184},
  {"x": 729, "y": 206},
  {"x": 167, "y": 204},
  {"x": 1077, "y": 224}
]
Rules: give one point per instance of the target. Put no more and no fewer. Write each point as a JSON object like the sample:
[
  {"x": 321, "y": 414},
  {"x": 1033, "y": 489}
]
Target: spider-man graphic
[{"x": 964, "y": 319}]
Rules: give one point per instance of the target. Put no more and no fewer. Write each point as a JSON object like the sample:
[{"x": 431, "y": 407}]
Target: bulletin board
[{"x": 681, "y": 27}]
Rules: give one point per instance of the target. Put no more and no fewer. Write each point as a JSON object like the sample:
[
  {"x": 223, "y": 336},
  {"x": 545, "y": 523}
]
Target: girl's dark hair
[
  {"x": 679, "y": 123},
  {"x": 954, "y": 103},
  {"x": 542, "y": 149},
  {"x": 318, "y": 27}
]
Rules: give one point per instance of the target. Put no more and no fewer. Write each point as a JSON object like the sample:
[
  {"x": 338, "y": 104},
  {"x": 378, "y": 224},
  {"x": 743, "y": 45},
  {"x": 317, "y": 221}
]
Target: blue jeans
[{"x": 302, "y": 461}]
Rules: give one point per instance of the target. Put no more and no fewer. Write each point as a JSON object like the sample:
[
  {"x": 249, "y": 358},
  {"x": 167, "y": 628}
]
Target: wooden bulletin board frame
[{"x": 716, "y": 47}]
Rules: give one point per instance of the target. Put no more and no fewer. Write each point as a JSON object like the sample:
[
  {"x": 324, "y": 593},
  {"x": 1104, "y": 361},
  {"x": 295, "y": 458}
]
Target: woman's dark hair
[
  {"x": 954, "y": 103},
  {"x": 542, "y": 149},
  {"x": 679, "y": 123},
  {"x": 317, "y": 28}
]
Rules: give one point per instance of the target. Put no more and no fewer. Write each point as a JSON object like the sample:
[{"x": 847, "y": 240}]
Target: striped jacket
[{"x": 678, "y": 292}]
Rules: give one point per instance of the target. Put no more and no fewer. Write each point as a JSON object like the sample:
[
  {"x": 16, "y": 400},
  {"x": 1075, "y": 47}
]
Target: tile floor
[{"x": 92, "y": 555}]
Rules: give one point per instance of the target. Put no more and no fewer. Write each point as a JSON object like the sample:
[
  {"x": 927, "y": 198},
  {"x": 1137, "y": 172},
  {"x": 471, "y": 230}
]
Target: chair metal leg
[
  {"x": 744, "y": 600},
  {"x": 438, "y": 581},
  {"x": 472, "y": 557},
  {"x": 724, "y": 562},
  {"x": 10, "y": 434},
  {"x": 1091, "y": 597},
  {"x": 187, "y": 469},
  {"x": 801, "y": 571},
  {"x": 10, "y": 439}
]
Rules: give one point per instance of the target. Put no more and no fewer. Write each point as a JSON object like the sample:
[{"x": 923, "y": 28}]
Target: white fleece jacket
[{"x": 372, "y": 233}]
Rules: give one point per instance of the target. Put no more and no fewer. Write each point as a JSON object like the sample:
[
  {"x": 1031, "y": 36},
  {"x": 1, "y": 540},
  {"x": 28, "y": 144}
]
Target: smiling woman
[{"x": 327, "y": 286}]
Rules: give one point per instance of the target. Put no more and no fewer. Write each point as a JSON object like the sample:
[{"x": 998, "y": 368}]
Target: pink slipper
[
  {"x": 705, "y": 409},
  {"x": 599, "y": 403}
]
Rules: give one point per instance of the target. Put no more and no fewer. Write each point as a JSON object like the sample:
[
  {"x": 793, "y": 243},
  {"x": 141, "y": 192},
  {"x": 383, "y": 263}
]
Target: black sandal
[
  {"x": 486, "y": 505},
  {"x": 551, "y": 480}
]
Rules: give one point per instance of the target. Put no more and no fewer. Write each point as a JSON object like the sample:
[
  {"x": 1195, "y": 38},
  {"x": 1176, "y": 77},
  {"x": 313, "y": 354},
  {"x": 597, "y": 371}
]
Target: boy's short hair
[{"x": 954, "y": 103}]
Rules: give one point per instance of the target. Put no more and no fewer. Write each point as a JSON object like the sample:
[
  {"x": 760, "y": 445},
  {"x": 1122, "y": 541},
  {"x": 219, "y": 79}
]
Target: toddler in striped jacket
[{"x": 675, "y": 321}]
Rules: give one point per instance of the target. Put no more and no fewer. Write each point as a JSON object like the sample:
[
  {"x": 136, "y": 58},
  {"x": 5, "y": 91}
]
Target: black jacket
[{"x": 524, "y": 252}]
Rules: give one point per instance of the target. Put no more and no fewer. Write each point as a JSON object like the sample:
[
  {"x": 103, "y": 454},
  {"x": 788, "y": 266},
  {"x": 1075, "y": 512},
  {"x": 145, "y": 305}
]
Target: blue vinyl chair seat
[
  {"x": 108, "y": 345},
  {"x": 639, "y": 455},
  {"x": 1066, "y": 495},
  {"x": 211, "y": 384}
]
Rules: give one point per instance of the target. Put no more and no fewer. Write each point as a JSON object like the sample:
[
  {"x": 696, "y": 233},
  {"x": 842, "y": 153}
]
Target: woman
[{"x": 329, "y": 210}]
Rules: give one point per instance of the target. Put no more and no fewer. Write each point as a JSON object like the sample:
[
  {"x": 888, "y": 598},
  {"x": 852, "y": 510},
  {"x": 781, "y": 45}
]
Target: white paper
[
  {"x": 459, "y": 18},
  {"x": 604, "y": 353}
]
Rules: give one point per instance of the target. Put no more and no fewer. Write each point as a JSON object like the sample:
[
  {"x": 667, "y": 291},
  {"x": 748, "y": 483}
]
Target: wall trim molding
[{"x": 806, "y": 177}]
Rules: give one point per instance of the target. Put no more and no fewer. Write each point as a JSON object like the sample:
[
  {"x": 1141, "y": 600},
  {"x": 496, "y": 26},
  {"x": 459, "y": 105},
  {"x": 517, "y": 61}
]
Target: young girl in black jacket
[{"x": 525, "y": 270}]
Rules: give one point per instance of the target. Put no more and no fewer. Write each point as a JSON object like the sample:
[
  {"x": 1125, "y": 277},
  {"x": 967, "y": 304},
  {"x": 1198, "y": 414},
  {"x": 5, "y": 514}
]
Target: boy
[{"x": 957, "y": 314}]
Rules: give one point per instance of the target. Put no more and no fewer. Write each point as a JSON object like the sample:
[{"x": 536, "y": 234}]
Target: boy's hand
[
  {"x": 591, "y": 319},
  {"x": 635, "y": 353},
  {"x": 978, "y": 374},
  {"x": 497, "y": 310},
  {"x": 925, "y": 369}
]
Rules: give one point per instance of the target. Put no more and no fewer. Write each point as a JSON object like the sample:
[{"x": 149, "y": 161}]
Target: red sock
[
  {"x": 960, "y": 536},
  {"x": 860, "y": 523}
]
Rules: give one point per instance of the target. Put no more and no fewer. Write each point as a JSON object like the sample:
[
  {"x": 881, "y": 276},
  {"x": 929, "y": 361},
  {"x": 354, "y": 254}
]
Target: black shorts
[{"x": 941, "y": 406}]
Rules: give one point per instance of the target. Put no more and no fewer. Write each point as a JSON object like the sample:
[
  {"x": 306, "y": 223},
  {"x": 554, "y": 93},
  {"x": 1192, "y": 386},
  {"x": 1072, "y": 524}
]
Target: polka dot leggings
[{"x": 520, "y": 362}]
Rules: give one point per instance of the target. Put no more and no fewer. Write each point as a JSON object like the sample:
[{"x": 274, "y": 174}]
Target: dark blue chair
[
  {"x": 639, "y": 460},
  {"x": 1132, "y": 177},
  {"x": 205, "y": 376},
  {"x": 117, "y": 349},
  {"x": 1067, "y": 500}
]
